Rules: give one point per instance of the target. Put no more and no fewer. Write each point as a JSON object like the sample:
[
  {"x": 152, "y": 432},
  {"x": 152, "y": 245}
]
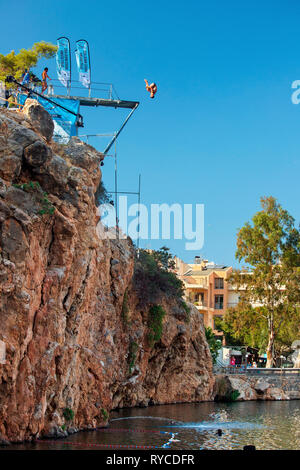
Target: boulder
[
  {"x": 10, "y": 167},
  {"x": 244, "y": 388},
  {"x": 296, "y": 354},
  {"x": 232, "y": 388},
  {"x": 261, "y": 386},
  {"x": 40, "y": 118},
  {"x": 37, "y": 154},
  {"x": 275, "y": 393}
]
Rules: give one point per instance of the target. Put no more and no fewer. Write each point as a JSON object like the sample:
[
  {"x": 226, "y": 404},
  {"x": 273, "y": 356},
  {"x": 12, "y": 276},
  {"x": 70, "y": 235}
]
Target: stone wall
[{"x": 257, "y": 386}]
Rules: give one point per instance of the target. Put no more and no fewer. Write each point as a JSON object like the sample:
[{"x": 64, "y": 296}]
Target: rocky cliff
[{"x": 71, "y": 353}]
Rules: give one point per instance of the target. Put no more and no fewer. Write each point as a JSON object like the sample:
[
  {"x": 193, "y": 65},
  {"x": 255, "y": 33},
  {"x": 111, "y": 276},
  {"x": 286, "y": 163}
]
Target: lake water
[{"x": 267, "y": 425}]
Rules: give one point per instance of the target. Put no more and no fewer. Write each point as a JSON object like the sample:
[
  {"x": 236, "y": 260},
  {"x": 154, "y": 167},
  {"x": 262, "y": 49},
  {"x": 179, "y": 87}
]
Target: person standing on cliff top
[
  {"x": 151, "y": 88},
  {"x": 44, "y": 79},
  {"x": 25, "y": 81},
  {"x": 26, "y": 78}
]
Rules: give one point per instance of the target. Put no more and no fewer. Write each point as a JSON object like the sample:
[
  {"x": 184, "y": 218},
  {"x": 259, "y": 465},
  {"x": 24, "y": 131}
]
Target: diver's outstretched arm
[{"x": 147, "y": 84}]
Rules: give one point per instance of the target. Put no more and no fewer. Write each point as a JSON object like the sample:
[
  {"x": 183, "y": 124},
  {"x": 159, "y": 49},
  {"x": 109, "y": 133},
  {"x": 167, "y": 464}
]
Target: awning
[{"x": 234, "y": 352}]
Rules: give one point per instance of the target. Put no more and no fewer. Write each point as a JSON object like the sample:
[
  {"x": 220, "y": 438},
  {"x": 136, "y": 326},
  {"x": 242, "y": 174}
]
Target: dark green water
[{"x": 267, "y": 425}]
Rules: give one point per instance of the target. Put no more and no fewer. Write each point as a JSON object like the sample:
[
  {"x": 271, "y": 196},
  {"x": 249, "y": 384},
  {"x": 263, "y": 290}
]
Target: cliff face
[{"x": 71, "y": 356}]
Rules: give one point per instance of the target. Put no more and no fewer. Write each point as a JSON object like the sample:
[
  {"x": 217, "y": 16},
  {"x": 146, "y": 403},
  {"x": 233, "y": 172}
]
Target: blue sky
[{"x": 222, "y": 129}]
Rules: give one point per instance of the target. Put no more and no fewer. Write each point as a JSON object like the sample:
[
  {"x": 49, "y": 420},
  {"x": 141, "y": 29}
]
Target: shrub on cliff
[
  {"x": 34, "y": 188},
  {"x": 133, "y": 349},
  {"x": 152, "y": 277},
  {"x": 155, "y": 323}
]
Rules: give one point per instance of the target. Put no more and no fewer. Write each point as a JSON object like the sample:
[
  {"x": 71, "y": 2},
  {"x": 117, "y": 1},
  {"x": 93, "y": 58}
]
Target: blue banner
[
  {"x": 83, "y": 62},
  {"x": 2, "y": 94},
  {"x": 64, "y": 122},
  {"x": 63, "y": 61}
]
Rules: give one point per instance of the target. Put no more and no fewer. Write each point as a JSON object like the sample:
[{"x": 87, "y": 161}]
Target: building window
[
  {"x": 219, "y": 283},
  {"x": 219, "y": 302}
]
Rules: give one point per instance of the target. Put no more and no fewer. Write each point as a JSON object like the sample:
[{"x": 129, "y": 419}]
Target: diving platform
[
  {"x": 69, "y": 118},
  {"x": 89, "y": 101}
]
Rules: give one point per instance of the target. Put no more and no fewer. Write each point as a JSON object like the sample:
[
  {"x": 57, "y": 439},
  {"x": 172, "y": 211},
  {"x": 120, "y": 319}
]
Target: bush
[
  {"x": 155, "y": 324},
  {"x": 105, "y": 414},
  {"x": 68, "y": 414},
  {"x": 34, "y": 187},
  {"x": 133, "y": 349},
  {"x": 152, "y": 278},
  {"x": 234, "y": 395}
]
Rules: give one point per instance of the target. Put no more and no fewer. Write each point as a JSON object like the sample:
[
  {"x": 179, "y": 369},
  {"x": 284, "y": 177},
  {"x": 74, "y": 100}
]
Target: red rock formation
[{"x": 62, "y": 290}]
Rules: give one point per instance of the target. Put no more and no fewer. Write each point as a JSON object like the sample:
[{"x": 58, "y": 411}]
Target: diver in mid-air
[{"x": 151, "y": 88}]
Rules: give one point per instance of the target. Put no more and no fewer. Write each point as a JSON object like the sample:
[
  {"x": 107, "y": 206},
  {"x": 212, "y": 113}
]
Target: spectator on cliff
[
  {"x": 25, "y": 78},
  {"x": 44, "y": 79},
  {"x": 151, "y": 88}
]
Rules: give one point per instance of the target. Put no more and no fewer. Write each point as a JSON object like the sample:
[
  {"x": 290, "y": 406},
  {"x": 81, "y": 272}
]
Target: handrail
[{"x": 243, "y": 369}]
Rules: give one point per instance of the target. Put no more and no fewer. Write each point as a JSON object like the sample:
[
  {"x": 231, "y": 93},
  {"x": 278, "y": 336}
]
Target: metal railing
[
  {"x": 96, "y": 89},
  {"x": 199, "y": 303},
  {"x": 261, "y": 371},
  {"x": 273, "y": 371}
]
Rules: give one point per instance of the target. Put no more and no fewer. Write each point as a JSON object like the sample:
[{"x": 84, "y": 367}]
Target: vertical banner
[
  {"x": 82, "y": 53},
  {"x": 2, "y": 94},
  {"x": 63, "y": 61}
]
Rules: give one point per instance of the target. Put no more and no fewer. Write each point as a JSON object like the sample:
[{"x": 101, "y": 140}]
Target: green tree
[
  {"x": 152, "y": 278},
  {"x": 270, "y": 246},
  {"x": 164, "y": 258},
  {"x": 213, "y": 343},
  {"x": 15, "y": 64},
  {"x": 245, "y": 325}
]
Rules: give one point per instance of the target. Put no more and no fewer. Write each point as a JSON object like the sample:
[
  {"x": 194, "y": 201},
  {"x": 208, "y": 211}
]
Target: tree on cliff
[
  {"x": 15, "y": 64},
  {"x": 153, "y": 275},
  {"x": 271, "y": 247}
]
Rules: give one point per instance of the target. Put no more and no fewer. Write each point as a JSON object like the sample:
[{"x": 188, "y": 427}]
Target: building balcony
[
  {"x": 201, "y": 305},
  {"x": 195, "y": 286}
]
